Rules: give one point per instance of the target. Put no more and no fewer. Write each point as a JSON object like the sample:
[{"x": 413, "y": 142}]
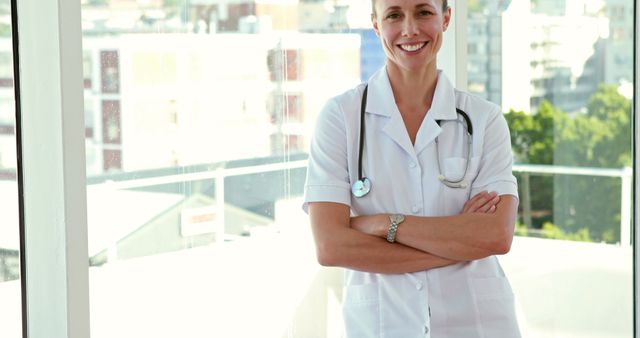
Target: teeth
[{"x": 412, "y": 48}]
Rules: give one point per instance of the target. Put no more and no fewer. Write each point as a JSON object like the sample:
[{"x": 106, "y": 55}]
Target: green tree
[
  {"x": 601, "y": 137},
  {"x": 533, "y": 136},
  {"x": 614, "y": 110}
]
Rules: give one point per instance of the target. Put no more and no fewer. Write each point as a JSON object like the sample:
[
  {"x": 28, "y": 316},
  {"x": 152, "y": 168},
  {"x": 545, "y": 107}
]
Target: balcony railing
[
  {"x": 527, "y": 170},
  {"x": 624, "y": 174}
]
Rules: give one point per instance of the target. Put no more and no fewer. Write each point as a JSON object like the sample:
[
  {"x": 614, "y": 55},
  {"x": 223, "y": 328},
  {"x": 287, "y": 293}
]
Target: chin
[{"x": 412, "y": 67}]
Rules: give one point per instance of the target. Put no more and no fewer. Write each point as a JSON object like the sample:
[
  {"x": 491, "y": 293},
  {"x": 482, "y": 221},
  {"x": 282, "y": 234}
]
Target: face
[{"x": 410, "y": 31}]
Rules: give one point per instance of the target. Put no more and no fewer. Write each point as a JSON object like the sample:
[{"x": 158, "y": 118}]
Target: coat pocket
[
  {"x": 361, "y": 311},
  {"x": 495, "y": 304}
]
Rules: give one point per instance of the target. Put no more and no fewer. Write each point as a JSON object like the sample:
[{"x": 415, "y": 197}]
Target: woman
[{"x": 419, "y": 253}]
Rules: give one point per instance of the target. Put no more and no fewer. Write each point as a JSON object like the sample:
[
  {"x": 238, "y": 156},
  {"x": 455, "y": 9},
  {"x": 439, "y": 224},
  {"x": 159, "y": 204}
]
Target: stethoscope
[{"x": 363, "y": 185}]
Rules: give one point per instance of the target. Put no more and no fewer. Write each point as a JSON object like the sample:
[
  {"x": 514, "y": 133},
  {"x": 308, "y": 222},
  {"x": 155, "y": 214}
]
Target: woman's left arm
[
  {"x": 469, "y": 235},
  {"x": 463, "y": 237}
]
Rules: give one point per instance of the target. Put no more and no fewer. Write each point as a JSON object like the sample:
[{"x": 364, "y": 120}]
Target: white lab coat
[{"x": 466, "y": 300}]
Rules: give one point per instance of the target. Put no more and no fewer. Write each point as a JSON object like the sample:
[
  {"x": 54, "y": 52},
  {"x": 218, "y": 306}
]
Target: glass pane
[
  {"x": 198, "y": 117},
  {"x": 563, "y": 72},
  {"x": 10, "y": 291}
]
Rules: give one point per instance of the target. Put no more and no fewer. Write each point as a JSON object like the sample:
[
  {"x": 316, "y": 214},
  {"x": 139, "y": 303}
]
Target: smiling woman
[
  {"x": 420, "y": 254},
  {"x": 411, "y": 36}
]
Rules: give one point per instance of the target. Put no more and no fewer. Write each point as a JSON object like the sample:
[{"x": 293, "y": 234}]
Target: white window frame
[
  {"x": 52, "y": 169},
  {"x": 452, "y": 57}
]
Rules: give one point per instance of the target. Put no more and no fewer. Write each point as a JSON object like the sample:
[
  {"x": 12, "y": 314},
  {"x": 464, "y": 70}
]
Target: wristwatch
[{"x": 395, "y": 219}]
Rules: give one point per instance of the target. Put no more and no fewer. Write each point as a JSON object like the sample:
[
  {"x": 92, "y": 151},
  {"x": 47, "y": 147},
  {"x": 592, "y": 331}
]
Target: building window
[{"x": 109, "y": 70}]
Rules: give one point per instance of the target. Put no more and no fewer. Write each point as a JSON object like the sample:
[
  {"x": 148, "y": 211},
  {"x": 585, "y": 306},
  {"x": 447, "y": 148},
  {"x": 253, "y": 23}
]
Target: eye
[
  {"x": 425, "y": 13},
  {"x": 393, "y": 16}
]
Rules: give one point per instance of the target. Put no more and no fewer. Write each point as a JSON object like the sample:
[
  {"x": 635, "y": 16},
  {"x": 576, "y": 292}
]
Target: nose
[{"x": 410, "y": 27}]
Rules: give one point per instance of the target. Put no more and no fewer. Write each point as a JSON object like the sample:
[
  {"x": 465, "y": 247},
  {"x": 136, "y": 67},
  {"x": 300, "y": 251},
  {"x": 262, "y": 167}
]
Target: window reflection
[
  {"x": 200, "y": 116},
  {"x": 565, "y": 70},
  {"x": 10, "y": 289}
]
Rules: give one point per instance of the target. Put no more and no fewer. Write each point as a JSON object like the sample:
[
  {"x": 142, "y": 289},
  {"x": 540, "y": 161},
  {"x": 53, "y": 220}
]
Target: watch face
[{"x": 397, "y": 218}]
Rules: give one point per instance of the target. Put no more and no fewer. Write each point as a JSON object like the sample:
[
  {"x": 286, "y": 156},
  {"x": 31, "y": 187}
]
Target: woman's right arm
[{"x": 339, "y": 245}]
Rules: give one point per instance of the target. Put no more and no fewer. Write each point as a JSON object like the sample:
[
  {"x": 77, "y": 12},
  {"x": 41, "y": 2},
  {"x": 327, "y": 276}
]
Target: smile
[{"x": 412, "y": 47}]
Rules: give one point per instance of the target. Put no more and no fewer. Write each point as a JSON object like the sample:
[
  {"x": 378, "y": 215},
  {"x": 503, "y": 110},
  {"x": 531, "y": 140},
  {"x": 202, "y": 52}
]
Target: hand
[
  {"x": 375, "y": 225},
  {"x": 482, "y": 202}
]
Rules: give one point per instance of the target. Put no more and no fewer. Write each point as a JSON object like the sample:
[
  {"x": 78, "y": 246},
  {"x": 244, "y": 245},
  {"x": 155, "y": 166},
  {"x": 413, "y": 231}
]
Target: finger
[
  {"x": 472, "y": 203},
  {"x": 479, "y": 204},
  {"x": 476, "y": 201},
  {"x": 489, "y": 204}
]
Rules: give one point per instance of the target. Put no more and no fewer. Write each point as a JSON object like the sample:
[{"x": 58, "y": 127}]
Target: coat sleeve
[
  {"x": 495, "y": 167},
  {"x": 327, "y": 172}
]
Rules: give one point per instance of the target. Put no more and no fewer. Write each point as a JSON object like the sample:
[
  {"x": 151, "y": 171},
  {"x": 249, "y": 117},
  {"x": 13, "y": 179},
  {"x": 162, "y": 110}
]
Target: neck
[{"x": 413, "y": 88}]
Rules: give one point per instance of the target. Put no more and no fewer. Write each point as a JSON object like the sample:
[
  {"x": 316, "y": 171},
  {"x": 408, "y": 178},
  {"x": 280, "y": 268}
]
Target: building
[
  {"x": 7, "y": 112},
  {"x": 572, "y": 46},
  {"x": 619, "y": 47},
  {"x": 273, "y": 98},
  {"x": 560, "y": 48},
  {"x": 484, "y": 50},
  {"x": 565, "y": 59}
]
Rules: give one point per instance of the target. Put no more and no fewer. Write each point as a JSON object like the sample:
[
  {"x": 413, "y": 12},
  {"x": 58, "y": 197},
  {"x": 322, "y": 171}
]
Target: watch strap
[{"x": 393, "y": 227}]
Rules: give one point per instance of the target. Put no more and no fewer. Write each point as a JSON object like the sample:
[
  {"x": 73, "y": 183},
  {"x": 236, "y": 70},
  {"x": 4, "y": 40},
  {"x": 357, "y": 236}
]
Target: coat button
[
  {"x": 419, "y": 286},
  {"x": 412, "y": 164},
  {"x": 415, "y": 209}
]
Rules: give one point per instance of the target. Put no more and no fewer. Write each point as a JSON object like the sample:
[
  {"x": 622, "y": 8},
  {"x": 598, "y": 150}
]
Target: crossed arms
[{"x": 484, "y": 228}]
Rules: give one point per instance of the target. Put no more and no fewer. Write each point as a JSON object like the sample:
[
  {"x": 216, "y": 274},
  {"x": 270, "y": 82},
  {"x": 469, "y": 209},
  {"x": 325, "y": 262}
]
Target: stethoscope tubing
[
  {"x": 363, "y": 185},
  {"x": 363, "y": 105}
]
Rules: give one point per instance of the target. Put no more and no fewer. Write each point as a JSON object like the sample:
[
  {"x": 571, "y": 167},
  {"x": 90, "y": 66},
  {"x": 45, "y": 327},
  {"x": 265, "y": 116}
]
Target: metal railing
[
  {"x": 218, "y": 175},
  {"x": 625, "y": 175}
]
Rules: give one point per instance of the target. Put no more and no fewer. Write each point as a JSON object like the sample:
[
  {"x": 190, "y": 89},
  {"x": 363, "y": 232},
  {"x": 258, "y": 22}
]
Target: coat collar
[
  {"x": 380, "y": 101},
  {"x": 443, "y": 106}
]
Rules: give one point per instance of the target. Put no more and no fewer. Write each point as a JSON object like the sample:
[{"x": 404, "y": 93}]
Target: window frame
[{"x": 51, "y": 178}]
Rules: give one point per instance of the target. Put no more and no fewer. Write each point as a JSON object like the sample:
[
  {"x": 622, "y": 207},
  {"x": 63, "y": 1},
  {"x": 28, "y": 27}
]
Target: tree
[{"x": 601, "y": 138}]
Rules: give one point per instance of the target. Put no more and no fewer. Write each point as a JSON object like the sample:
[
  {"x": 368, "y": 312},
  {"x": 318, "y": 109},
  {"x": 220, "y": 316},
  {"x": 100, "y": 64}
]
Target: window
[
  {"x": 570, "y": 122},
  {"x": 196, "y": 165},
  {"x": 10, "y": 286},
  {"x": 109, "y": 70},
  {"x": 204, "y": 121},
  {"x": 10, "y": 276},
  {"x": 6, "y": 66},
  {"x": 87, "y": 67}
]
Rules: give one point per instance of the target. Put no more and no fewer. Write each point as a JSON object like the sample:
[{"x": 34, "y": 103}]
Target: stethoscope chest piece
[{"x": 361, "y": 187}]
